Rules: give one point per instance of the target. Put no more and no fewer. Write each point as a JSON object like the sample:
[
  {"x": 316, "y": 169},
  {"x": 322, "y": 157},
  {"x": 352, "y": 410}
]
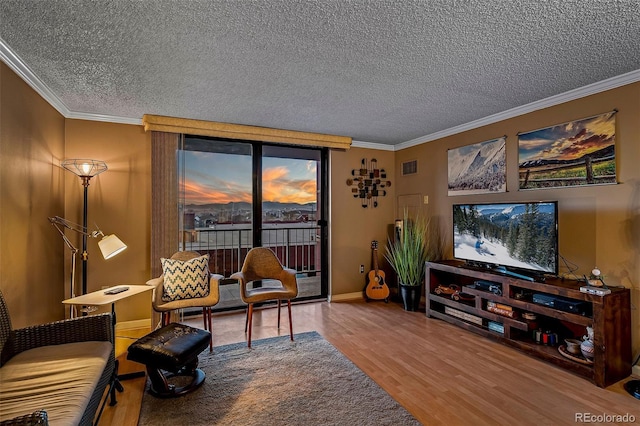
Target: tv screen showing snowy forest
[{"x": 521, "y": 235}]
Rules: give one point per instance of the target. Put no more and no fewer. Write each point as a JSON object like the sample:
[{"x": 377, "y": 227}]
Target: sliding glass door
[
  {"x": 292, "y": 214},
  {"x": 238, "y": 195}
]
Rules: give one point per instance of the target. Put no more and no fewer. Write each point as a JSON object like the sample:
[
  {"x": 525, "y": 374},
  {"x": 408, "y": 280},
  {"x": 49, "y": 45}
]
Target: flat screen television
[{"x": 516, "y": 237}]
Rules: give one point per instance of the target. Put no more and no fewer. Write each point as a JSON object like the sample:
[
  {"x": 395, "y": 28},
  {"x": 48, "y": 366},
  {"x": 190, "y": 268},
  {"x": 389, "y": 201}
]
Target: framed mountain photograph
[
  {"x": 576, "y": 153},
  {"x": 478, "y": 168}
]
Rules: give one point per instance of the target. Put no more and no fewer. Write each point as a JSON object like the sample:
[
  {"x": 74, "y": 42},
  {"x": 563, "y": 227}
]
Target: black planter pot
[{"x": 410, "y": 295}]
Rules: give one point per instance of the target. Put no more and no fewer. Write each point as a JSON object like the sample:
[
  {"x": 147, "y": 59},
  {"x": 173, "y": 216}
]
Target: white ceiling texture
[{"x": 388, "y": 73}]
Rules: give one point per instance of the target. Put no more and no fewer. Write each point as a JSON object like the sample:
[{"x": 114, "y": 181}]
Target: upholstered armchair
[
  {"x": 185, "y": 293},
  {"x": 260, "y": 264}
]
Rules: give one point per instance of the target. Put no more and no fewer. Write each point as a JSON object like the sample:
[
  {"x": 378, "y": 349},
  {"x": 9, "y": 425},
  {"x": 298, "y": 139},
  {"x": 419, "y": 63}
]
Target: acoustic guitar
[{"x": 376, "y": 288}]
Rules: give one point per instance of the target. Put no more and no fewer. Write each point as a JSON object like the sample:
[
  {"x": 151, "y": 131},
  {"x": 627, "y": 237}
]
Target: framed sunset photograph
[{"x": 576, "y": 153}]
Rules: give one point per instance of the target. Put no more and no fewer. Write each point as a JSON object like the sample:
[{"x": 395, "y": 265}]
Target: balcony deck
[
  {"x": 230, "y": 292},
  {"x": 297, "y": 246}
]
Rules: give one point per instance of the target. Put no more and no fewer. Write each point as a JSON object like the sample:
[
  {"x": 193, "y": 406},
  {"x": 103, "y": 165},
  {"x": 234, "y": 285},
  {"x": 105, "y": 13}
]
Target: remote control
[{"x": 116, "y": 290}]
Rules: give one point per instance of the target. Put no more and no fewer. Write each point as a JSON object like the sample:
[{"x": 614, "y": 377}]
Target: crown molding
[
  {"x": 571, "y": 95},
  {"x": 104, "y": 118},
  {"x": 13, "y": 61},
  {"x": 372, "y": 145}
]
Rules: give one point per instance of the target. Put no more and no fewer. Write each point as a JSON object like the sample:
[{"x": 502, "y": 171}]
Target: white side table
[{"x": 99, "y": 298}]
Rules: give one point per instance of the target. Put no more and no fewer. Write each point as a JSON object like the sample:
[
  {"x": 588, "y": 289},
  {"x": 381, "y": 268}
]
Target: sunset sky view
[
  {"x": 568, "y": 141},
  {"x": 224, "y": 178}
]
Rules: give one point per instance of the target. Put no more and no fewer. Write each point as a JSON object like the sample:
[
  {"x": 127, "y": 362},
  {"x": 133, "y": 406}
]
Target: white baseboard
[{"x": 345, "y": 297}]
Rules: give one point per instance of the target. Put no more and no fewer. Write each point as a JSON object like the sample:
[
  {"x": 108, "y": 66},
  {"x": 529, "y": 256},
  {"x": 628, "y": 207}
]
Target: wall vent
[{"x": 410, "y": 167}]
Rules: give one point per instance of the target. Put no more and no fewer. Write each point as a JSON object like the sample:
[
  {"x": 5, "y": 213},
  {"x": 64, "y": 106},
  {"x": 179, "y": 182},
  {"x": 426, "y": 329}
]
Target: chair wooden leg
[
  {"x": 206, "y": 316},
  {"x": 210, "y": 321},
  {"x": 279, "y": 302},
  {"x": 250, "y": 319},
  {"x": 246, "y": 319},
  {"x": 290, "y": 323}
]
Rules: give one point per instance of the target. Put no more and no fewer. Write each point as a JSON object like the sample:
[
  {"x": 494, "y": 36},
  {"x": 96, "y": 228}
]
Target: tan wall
[
  {"x": 31, "y": 189},
  {"x": 119, "y": 201},
  {"x": 598, "y": 226},
  {"x": 352, "y": 227}
]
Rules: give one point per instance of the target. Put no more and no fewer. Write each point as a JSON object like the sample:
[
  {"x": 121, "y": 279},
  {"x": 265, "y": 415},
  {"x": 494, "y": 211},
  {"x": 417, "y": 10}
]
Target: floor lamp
[
  {"x": 85, "y": 169},
  {"x": 110, "y": 245}
]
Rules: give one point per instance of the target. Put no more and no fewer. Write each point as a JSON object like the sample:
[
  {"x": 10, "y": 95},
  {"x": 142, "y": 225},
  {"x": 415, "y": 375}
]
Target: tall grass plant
[{"x": 407, "y": 256}]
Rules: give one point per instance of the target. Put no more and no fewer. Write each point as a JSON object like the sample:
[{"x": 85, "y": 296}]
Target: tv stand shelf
[{"x": 609, "y": 315}]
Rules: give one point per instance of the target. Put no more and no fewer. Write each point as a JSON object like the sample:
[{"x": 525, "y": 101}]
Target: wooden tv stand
[{"x": 609, "y": 315}]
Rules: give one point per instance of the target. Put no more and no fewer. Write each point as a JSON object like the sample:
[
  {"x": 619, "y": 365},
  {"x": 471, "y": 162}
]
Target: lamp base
[{"x": 633, "y": 387}]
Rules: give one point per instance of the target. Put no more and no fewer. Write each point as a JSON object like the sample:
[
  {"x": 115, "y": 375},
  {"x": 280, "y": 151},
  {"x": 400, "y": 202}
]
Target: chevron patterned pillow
[{"x": 185, "y": 279}]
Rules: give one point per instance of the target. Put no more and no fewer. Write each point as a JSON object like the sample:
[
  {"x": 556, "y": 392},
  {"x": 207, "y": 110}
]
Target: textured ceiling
[{"x": 384, "y": 72}]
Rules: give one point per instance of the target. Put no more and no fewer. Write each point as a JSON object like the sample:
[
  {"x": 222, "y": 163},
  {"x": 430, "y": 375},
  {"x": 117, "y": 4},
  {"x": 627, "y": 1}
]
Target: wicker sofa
[{"x": 56, "y": 373}]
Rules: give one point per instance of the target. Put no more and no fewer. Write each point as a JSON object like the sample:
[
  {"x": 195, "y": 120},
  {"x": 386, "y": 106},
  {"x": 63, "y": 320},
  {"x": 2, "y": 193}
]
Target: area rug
[{"x": 279, "y": 382}]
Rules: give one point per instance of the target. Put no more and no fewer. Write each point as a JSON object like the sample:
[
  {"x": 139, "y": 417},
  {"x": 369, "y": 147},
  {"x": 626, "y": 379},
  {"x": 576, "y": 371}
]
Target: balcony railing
[{"x": 296, "y": 245}]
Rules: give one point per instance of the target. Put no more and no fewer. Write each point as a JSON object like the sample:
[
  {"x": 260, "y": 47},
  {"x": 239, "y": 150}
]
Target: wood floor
[{"x": 441, "y": 374}]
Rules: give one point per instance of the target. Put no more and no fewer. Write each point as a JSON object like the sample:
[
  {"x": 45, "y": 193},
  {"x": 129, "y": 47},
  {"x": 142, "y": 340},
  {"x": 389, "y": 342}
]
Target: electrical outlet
[
  {"x": 362, "y": 269},
  {"x": 426, "y": 199}
]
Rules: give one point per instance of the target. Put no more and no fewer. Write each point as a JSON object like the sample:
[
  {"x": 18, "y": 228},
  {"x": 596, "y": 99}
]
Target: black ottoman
[{"x": 173, "y": 349}]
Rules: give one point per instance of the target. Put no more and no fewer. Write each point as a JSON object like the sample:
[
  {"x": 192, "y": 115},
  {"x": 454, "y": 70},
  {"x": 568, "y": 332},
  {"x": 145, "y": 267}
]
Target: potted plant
[{"x": 407, "y": 256}]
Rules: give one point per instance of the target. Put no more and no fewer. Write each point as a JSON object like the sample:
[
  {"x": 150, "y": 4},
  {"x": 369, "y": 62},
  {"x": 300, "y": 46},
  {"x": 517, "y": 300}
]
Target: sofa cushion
[
  {"x": 58, "y": 379},
  {"x": 185, "y": 279}
]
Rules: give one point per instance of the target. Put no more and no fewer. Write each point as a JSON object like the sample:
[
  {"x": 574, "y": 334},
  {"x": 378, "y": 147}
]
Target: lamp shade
[
  {"x": 110, "y": 245},
  {"x": 84, "y": 167}
]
